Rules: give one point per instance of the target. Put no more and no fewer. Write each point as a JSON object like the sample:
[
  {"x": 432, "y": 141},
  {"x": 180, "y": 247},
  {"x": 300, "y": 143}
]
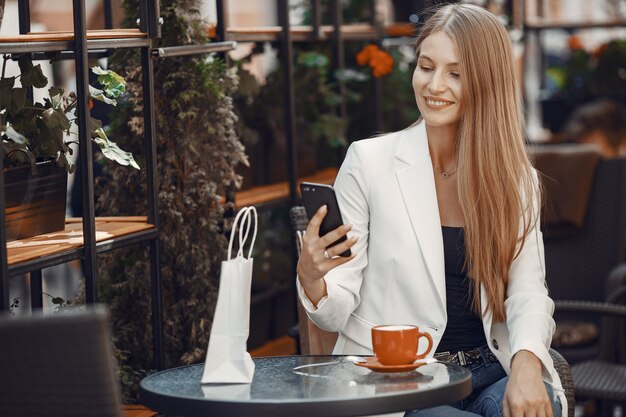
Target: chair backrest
[
  {"x": 577, "y": 264},
  {"x": 313, "y": 340},
  {"x": 58, "y": 365}
]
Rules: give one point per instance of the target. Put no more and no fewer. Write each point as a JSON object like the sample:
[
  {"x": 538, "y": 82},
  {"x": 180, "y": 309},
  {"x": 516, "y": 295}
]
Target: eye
[
  {"x": 455, "y": 75},
  {"x": 425, "y": 68}
]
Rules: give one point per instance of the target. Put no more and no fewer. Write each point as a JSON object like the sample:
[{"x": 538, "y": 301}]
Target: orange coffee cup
[{"x": 398, "y": 344}]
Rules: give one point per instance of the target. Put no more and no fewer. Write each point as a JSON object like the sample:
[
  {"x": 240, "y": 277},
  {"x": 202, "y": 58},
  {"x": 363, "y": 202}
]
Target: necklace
[{"x": 444, "y": 174}]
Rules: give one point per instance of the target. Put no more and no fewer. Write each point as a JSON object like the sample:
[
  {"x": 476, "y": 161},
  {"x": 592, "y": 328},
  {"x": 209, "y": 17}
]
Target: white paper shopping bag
[{"x": 227, "y": 360}]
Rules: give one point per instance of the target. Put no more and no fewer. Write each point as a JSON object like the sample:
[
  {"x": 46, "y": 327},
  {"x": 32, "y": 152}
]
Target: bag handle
[{"x": 243, "y": 221}]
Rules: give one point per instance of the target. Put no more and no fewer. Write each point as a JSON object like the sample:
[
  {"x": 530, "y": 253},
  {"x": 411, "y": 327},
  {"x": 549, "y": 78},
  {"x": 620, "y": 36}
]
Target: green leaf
[
  {"x": 313, "y": 60},
  {"x": 55, "y": 119},
  {"x": 56, "y": 97},
  {"x": 14, "y": 135},
  {"x": 64, "y": 161},
  {"x": 31, "y": 76},
  {"x": 99, "y": 95},
  {"x": 113, "y": 83},
  {"x": 7, "y": 83},
  {"x": 51, "y": 143},
  {"x": 13, "y": 100},
  {"x": 112, "y": 151}
]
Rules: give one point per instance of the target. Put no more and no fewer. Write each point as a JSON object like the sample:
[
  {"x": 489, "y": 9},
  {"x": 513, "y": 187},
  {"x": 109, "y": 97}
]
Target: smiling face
[{"x": 437, "y": 81}]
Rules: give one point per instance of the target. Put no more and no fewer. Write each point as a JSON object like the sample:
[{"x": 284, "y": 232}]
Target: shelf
[
  {"x": 306, "y": 33},
  {"x": 538, "y": 23},
  {"x": 266, "y": 194},
  {"x": 51, "y": 249},
  {"x": 64, "y": 41}
]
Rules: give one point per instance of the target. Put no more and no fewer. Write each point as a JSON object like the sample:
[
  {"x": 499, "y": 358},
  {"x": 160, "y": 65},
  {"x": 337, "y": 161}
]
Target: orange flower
[
  {"x": 378, "y": 60},
  {"x": 211, "y": 32},
  {"x": 364, "y": 57},
  {"x": 574, "y": 42}
]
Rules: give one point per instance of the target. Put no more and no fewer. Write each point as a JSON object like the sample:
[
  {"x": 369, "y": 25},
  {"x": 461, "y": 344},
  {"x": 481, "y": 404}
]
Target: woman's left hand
[{"x": 525, "y": 394}]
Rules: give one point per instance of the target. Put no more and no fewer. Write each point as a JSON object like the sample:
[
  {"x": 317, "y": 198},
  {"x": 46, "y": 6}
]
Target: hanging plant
[{"x": 197, "y": 152}]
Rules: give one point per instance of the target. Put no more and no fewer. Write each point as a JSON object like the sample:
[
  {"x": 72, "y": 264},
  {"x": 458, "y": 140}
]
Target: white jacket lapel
[{"x": 417, "y": 185}]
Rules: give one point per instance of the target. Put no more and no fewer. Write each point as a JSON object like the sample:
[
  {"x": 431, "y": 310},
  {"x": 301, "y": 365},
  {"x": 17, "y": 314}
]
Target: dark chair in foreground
[
  {"x": 315, "y": 341},
  {"x": 603, "y": 378},
  {"x": 57, "y": 365}
]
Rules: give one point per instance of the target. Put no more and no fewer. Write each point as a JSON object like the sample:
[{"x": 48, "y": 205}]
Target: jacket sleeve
[
  {"x": 528, "y": 306},
  {"x": 343, "y": 283}
]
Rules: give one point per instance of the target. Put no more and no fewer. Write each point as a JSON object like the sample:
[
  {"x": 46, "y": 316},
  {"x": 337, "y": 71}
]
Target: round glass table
[{"x": 330, "y": 386}]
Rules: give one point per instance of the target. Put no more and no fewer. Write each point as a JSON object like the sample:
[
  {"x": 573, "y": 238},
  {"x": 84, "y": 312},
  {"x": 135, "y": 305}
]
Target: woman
[{"x": 443, "y": 226}]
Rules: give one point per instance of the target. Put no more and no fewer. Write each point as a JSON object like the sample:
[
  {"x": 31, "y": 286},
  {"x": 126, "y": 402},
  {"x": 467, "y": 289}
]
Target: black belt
[{"x": 467, "y": 357}]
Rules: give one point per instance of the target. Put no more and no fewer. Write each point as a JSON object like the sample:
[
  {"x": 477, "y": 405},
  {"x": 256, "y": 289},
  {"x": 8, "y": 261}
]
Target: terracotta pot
[{"x": 34, "y": 199}]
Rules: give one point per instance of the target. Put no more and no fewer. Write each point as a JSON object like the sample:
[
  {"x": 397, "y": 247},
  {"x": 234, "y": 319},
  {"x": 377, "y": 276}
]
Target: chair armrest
[
  {"x": 591, "y": 307},
  {"x": 565, "y": 374}
]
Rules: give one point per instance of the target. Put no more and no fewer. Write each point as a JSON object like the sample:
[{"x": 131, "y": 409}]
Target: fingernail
[
  {"x": 347, "y": 227},
  {"x": 323, "y": 208},
  {"x": 354, "y": 238}
]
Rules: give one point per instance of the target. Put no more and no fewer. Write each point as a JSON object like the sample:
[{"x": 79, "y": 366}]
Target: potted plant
[{"x": 36, "y": 139}]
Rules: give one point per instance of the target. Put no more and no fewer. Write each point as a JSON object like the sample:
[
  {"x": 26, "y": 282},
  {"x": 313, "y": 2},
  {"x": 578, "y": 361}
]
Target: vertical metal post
[
  {"x": 85, "y": 155},
  {"x": 23, "y": 7},
  {"x": 36, "y": 290},
  {"x": 154, "y": 16},
  {"x": 222, "y": 26},
  {"x": 378, "y": 83},
  {"x": 316, "y": 13},
  {"x": 150, "y": 149},
  {"x": 108, "y": 15},
  {"x": 339, "y": 56},
  {"x": 143, "y": 16},
  {"x": 4, "y": 267},
  {"x": 290, "y": 109},
  {"x": 222, "y": 12}
]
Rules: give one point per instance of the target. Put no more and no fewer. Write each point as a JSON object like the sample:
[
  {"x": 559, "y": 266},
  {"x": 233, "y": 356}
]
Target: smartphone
[{"x": 315, "y": 196}]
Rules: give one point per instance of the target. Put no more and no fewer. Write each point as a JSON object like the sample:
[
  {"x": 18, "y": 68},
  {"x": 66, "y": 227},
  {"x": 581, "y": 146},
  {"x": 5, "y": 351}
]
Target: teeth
[{"x": 437, "y": 103}]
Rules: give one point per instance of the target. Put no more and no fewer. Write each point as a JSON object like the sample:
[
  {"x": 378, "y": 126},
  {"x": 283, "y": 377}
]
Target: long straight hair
[{"x": 495, "y": 182}]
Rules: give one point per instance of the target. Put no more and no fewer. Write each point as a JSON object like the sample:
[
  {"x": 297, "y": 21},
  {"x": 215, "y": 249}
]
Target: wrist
[
  {"x": 315, "y": 290},
  {"x": 527, "y": 360}
]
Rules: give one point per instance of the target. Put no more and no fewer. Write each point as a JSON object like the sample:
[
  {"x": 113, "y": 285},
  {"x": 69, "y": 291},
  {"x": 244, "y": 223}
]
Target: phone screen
[{"x": 315, "y": 196}]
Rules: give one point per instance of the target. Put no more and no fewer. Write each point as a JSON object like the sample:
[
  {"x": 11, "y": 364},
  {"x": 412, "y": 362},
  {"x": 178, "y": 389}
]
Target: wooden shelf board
[
  {"x": 69, "y": 36},
  {"x": 536, "y": 23},
  {"x": 72, "y": 237},
  {"x": 270, "y": 193},
  {"x": 350, "y": 32}
]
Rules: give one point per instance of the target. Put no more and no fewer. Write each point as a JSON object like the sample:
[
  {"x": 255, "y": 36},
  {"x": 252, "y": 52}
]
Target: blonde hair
[{"x": 495, "y": 182}]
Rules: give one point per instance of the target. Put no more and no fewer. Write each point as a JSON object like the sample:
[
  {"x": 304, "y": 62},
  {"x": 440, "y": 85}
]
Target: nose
[{"x": 437, "y": 83}]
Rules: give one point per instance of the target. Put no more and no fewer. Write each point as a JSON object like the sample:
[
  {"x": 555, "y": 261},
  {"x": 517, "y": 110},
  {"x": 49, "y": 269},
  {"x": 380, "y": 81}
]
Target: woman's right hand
[{"x": 315, "y": 260}]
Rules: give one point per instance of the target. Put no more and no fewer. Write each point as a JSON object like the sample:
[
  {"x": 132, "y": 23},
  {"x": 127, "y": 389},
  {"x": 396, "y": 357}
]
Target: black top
[{"x": 465, "y": 328}]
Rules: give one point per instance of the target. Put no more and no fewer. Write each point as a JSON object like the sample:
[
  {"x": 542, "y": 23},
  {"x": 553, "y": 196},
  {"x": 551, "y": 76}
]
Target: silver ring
[{"x": 326, "y": 255}]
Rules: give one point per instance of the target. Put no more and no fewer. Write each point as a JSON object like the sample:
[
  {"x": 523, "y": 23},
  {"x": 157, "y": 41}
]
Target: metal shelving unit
[
  {"x": 77, "y": 45},
  {"x": 285, "y": 36},
  {"x": 532, "y": 27}
]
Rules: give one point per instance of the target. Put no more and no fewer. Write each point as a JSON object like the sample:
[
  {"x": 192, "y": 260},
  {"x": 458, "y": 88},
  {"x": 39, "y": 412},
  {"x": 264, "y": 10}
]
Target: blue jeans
[{"x": 488, "y": 383}]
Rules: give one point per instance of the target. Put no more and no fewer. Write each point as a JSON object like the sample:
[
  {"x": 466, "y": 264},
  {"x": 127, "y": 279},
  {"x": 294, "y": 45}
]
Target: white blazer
[{"x": 386, "y": 191}]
